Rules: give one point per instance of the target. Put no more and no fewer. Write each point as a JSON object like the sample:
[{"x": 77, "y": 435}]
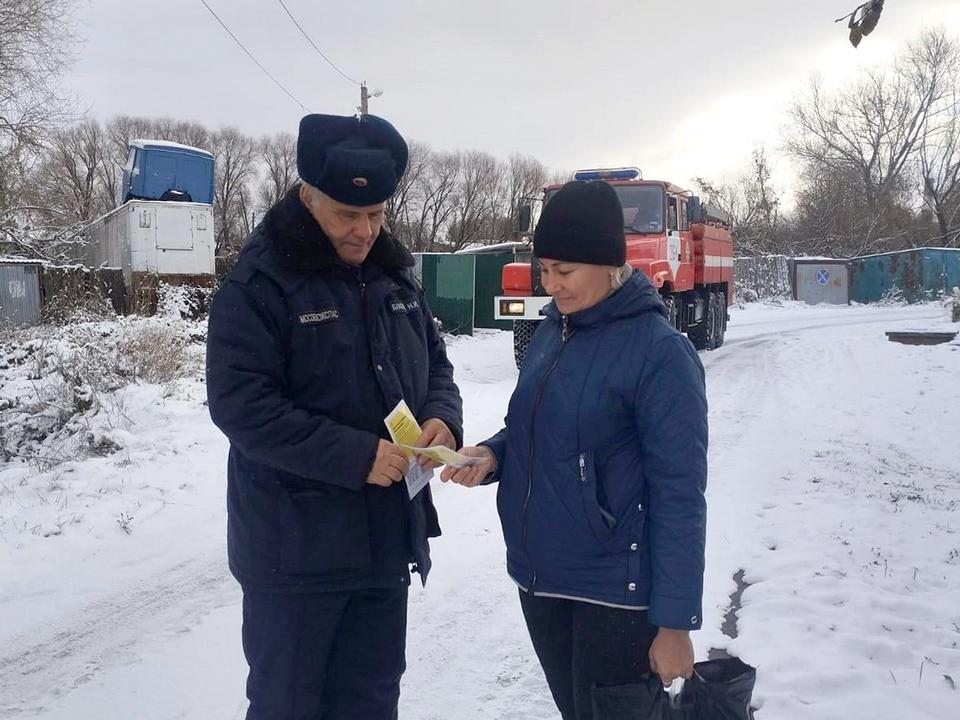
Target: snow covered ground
[{"x": 834, "y": 486}]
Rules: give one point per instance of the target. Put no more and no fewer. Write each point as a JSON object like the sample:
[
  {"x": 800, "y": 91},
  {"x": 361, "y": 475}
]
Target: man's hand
[
  {"x": 434, "y": 432},
  {"x": 389, "y": 465},
  {"x": 671, "y": 655},
  {"x": 472, "y": 475}
]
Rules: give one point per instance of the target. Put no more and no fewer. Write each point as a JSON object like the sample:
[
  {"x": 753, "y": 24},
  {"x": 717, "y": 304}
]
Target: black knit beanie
[{"x": 582, "y": 223}]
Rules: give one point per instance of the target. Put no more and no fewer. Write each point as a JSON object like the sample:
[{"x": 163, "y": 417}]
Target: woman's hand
[
  {"x": 671, "y": 655},
  {"x": 471, "y": 475},
  {"x": 434, "y": 432}
]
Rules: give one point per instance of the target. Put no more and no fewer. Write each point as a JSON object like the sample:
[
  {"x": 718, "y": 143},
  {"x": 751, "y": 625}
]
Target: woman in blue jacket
[{"x": 601, "y": 466}]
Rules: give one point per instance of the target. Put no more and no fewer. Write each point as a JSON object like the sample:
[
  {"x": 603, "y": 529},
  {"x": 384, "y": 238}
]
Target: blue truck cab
[{"x": 161, "y": 170}]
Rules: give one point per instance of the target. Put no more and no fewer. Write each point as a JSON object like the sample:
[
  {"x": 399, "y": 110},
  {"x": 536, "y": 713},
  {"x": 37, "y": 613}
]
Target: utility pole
[{"x": 364, "y": 97}]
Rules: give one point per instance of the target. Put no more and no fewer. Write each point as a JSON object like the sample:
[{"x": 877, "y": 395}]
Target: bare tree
[
  {"x": 180, "y": 131},
  {"x": 400, "y": 207},
  {"x": 871, "y": 131},
  {"x": 278, "y": 154},
  {"x": 939, "y": 152},
  {"x": 940, "y": 174},
  {"x": 245, "y": 216},
  {"x": 477, "y": 200},
  {"x": 69, "y": 176},
  {"x": 35, "y": 46},
  {"x": 762, "y": 195},
  {"x": 754, "y": 205},
  {"x": 16, "y": 163},
  {"x": 434, "y": 201},
  {"x": 526, "y": 178},
  {"x": 120, "y": 131},
  {"x": 829, "y": 212},
  {"x": 234, "y": 155}
]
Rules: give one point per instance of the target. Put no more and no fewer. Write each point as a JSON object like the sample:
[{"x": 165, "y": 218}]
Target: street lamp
[{"x": 365, "y": 95}]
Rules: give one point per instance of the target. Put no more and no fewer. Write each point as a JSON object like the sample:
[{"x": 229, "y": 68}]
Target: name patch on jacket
[
  {"x": 401, "y": 307},
  {"x": 315, "y": 318}
]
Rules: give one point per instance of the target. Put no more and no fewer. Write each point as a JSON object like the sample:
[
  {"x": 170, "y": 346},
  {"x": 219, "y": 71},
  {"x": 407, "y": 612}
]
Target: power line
[
  {"x": 250, "y": 55},
  {"x": 309, "y": 40}
]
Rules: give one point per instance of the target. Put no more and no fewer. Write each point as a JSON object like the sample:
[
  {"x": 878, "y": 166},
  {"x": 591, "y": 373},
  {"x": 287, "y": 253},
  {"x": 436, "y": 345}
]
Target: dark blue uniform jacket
[{"x": 305, "y": 357}]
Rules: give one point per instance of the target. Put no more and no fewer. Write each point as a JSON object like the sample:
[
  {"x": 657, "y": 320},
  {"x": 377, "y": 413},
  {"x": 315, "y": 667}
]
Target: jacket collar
[
  {"x": 296, "y": 242},
  {"x": 637, "y": 296}
]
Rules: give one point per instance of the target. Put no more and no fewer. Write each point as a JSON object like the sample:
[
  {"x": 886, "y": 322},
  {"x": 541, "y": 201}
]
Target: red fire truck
[{"x": 683, "y": 246}]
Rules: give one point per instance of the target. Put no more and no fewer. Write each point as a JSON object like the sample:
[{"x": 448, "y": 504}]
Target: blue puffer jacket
[
  {"x": 603, "y": 462},
  {"x": 305, "y": 358}
]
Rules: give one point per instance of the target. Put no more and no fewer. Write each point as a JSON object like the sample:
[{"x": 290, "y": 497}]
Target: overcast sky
[{"x": 679, "y": 89}]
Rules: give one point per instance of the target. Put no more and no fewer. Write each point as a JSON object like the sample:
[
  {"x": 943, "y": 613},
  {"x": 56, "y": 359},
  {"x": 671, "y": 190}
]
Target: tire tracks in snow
[
  {"x": 827, "y": 323},
  {"x": 62, "y": 657}
]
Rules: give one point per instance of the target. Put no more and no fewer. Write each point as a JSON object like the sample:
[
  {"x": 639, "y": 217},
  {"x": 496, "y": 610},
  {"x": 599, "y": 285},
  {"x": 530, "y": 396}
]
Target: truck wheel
[
  {"x": 522, "y": 335},
  {"x": 721, "y": 325},
  {"x": 703, "y": 334}
]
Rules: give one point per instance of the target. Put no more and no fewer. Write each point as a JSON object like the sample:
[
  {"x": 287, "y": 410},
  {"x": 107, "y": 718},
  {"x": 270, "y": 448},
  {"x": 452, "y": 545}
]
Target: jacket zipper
[
  {"x": 414, "y": 567},
  {"x": 564, "y": 336}
]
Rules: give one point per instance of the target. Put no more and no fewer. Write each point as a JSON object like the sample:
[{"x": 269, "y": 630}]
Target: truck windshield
[{"x": 642, "y": 207}]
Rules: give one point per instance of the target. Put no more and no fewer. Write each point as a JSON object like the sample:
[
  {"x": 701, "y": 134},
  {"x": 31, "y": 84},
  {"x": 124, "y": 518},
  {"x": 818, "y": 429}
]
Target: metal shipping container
[
  {"x": 19, "y": 292},
  {"x": 917, "y": 275},
  {"x": 151, "y": 242},
  {"x": 821, "y": 281},
  {"x": 159, "y": 238}
]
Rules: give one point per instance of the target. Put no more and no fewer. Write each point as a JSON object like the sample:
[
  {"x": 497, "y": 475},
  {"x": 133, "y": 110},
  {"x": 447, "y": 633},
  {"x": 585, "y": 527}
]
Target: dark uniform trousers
[{"x": 325, "y": 656}]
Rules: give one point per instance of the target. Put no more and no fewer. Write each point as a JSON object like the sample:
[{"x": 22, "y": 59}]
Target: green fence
[
  {"x": 461, "y": 289},
  {"x": 448, "y": 284}
]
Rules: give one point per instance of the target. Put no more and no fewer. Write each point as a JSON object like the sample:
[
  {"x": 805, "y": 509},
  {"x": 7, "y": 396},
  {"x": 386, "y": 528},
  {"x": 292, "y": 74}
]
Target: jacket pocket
[
  {"x": 602, "y": 522},
  {"x": 326, "y": 530}
]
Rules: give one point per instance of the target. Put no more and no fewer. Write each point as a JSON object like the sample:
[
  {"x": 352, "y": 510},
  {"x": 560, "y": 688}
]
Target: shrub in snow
[
  {"x": 61, "y": 389},
  {"x": 892, "y": 297},
  {"x": 154, "y": 353}
]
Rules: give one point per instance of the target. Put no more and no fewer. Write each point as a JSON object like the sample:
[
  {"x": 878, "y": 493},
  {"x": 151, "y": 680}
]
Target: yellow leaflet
[
  {"x": 402, "y": 425},
  {"x": 444, "y": 456}
]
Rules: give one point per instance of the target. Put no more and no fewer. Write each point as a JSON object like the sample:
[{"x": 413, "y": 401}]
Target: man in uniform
[{"x": 316, "y": 335}]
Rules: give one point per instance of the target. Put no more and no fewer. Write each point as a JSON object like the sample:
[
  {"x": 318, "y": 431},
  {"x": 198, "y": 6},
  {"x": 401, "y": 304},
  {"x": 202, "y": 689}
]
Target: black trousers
[
  {"x": 325, "y": 656},
  {"x": 581, "y": 645}
]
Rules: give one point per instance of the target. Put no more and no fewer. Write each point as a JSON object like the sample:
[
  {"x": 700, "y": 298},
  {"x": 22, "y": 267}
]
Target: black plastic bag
[{"x": 718, "y": 690}]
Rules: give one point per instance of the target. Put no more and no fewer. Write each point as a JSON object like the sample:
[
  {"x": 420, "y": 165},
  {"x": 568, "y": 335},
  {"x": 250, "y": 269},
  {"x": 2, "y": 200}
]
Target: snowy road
[{"x": 834, "y": 485}]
